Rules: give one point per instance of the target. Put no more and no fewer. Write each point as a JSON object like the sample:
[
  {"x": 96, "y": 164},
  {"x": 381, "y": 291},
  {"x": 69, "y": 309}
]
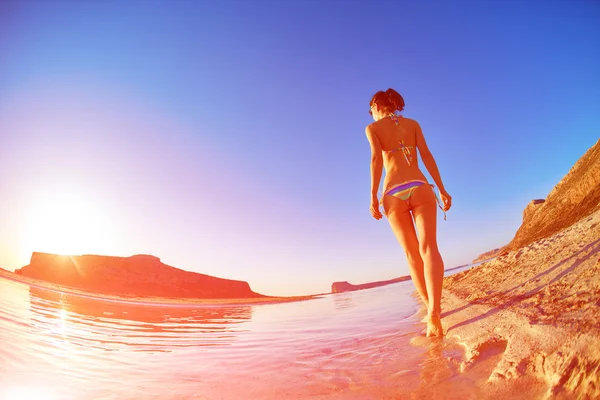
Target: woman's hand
[
  {"x": 375, "y": 208},
  {"x": 446, "y": 200}
]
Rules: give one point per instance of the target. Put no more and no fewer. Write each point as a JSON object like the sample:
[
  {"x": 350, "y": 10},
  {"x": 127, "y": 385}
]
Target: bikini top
[{"x": 404, "y": 148}]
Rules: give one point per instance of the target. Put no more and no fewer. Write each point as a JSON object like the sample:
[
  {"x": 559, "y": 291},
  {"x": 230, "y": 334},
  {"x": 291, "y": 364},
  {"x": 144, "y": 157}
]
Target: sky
[{"x": 228, "y": 137}]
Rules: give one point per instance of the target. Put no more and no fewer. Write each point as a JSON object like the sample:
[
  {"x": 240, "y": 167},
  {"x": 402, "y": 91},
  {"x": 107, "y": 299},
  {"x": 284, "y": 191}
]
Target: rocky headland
[
  {"x": 488, "y": 255},
  {"x": 576, "y": 196},
  {"x": 139, "y": 276},
  {"x": 339, "y": 287},
  {"x": 536, "y": 306}
]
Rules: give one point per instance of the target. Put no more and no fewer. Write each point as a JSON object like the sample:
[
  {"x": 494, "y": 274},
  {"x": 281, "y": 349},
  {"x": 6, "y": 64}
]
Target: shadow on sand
[{"x": 507, "y": 300}]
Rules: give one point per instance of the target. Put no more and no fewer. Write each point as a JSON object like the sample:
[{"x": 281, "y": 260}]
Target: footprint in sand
[{"x": 485, "y": 358}]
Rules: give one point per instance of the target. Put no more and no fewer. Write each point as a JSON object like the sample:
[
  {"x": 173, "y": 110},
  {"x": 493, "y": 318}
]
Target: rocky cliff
[
  {"x": 576, "y": 196},
  {"x": 139, "y": 275}
]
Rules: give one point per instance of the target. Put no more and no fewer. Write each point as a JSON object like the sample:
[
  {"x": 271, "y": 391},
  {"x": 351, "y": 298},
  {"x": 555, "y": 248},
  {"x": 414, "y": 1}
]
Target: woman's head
[{"x": 385, "y": 103}]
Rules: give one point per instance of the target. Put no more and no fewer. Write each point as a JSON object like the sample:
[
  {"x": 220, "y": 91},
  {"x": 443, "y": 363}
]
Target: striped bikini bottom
[{"x": 404, "y": 190}]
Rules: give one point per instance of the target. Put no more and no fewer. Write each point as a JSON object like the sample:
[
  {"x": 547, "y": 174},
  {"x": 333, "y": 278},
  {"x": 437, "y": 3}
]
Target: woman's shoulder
[
  {"x": 411, "y": 124},
  {"x": 410, "y": 120},
  {"x": 374, "y": 126},
  {"x": 384, "y": 121}
]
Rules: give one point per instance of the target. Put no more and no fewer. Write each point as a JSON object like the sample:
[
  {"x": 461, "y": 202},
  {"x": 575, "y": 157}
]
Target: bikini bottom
[{"x": 405, "y": 190}]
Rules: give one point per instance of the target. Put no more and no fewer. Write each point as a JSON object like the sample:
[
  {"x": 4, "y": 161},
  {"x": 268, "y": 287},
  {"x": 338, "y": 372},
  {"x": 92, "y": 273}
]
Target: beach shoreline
[
  {"x": 152, "y": 301},
  {"x": 537, "y": 308}
]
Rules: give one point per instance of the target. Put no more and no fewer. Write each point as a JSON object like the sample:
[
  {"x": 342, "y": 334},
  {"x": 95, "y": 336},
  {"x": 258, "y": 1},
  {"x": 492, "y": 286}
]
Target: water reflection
[
  {"x": 114, "y": 325},
  {"x": 343, "y": 301},
  {"x": 348, "y": 346}
]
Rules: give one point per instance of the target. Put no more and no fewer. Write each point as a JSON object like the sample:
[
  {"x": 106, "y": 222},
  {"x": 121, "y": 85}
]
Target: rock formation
[
  {"x": 576, "y": 196},
  {"x": 339, "y": 287},
  {"x": 139, "y": 275},
  {"x": 488, "y": 255}
]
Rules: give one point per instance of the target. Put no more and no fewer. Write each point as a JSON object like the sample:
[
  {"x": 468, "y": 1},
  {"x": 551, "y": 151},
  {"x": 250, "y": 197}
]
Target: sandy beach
[
  {"x": 531, "y": 315},
  {"x": 536, "y": 312}
]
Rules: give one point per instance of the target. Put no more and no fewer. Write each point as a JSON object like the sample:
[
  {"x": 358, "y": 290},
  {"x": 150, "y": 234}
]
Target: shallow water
[{"x": 353, "y": 345}]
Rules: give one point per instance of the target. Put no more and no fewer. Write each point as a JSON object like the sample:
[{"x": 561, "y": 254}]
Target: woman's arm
[
  {"x": 376, "y": 170},
  {"x": 431, "y": 166}
]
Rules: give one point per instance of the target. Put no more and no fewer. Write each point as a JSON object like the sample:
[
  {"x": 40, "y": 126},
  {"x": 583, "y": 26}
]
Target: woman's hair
[{"x": 390, "y": 101}]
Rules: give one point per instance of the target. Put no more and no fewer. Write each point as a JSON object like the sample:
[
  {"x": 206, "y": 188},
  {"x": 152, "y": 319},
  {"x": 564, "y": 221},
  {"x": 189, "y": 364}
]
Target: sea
[{"x": 366, "y": 344}]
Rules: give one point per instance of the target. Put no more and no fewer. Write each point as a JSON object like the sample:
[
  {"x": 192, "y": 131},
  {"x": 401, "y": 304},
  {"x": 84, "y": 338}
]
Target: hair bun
[
  {"x": 390, "y": 100},
  {"x": 395, "y": 99}
]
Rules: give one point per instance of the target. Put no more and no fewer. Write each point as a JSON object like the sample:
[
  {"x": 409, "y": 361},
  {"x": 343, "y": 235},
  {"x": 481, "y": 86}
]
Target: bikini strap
[
  {"x": 439, "y": 202},
  {"x": 405, "y": 149},
  {"x": 406, "y": 152}
]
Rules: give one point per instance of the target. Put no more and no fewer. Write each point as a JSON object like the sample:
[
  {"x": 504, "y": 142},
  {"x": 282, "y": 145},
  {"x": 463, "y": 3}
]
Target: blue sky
[{"x": 227, "y": 137}]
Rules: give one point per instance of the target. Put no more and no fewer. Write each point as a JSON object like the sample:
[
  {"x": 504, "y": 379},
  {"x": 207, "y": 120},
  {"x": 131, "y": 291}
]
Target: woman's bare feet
[{"x": 434, "y": 326}]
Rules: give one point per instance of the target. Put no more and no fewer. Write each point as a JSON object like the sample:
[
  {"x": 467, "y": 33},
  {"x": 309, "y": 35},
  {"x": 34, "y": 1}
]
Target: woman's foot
[{"x": 434, "y": 326}]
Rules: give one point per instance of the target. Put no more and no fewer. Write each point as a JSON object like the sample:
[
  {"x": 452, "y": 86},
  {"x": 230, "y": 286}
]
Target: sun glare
[
  {"x": 27, "y": 393},
  {"x": 65, "y": 223}
]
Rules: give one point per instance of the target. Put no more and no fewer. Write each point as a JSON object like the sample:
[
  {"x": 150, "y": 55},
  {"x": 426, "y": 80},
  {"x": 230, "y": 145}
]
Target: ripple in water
[{"x": 349, "y": 346}]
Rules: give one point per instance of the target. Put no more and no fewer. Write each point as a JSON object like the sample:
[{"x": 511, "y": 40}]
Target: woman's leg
[
  {"x": 402, "y": 224},
  {"x": 425, "y": 216}
]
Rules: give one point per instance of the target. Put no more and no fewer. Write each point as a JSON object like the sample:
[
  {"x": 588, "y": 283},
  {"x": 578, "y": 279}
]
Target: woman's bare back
[{"x": 398, "y": 168}]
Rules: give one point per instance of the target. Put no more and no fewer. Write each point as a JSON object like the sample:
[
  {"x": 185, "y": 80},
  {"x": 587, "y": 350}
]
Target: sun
[{"x": 66, "y": 223}]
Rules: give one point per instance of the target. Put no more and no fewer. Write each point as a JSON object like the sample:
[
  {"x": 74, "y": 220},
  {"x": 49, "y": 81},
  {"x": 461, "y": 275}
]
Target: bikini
[{"x": 405, "y": 189}]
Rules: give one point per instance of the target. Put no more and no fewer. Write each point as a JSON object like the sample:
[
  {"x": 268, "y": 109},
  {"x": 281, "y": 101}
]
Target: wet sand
[{"x": 533, "y": 315}]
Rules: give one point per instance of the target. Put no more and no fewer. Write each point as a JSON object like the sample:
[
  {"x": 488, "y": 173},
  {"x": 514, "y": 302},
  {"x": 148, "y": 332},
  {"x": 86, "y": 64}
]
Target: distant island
[
  {"x": 345, "y": 286},
  {"x": 339, "y": 287},
  {"x": 140, "y": 277}
]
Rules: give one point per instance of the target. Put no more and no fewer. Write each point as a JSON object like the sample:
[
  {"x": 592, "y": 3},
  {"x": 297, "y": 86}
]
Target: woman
[{"x": 394, "y": 142}]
